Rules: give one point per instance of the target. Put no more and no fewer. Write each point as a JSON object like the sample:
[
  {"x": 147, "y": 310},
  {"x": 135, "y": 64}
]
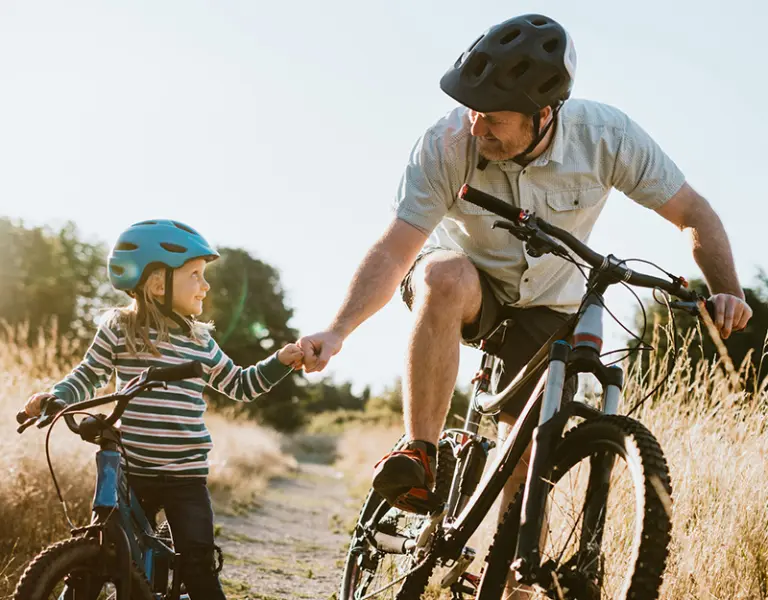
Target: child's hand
[
  {"x": 292, "y": 355},
  {"x": 33, "y": 405}
]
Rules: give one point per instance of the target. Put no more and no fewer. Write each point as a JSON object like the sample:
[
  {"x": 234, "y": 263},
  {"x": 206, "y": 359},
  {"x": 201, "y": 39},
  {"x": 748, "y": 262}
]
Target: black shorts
[{"x": 527, "y": 330}]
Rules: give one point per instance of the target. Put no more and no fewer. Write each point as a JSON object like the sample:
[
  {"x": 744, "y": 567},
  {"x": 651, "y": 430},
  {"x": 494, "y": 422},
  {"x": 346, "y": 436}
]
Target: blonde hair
[{"x": 143, "y": 314}]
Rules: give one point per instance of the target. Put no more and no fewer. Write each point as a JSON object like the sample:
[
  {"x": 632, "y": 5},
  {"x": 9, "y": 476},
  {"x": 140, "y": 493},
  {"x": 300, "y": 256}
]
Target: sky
[{"x": 284, "y": 127}]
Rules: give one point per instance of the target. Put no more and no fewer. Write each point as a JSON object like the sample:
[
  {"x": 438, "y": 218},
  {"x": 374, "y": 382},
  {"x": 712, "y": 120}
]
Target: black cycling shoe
[{"x": 406, "y": 478}]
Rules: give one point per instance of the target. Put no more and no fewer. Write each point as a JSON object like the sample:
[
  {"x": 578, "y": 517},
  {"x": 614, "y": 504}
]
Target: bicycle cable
[
  {"x": 63, "y": 502},
  {"x": 644, "y": 347}
]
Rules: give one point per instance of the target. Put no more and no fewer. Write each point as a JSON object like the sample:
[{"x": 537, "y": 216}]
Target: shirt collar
[{"x": 554, "y": 151}]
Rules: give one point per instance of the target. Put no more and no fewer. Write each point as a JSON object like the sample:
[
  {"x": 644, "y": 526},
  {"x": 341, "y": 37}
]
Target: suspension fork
[
  {"x": 537, "y": 487},
  {"x": 598, "y": 487}
]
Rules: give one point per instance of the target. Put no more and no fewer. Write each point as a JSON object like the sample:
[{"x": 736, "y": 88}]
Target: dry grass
[
  {"x": 244, "y": 458},
  {"x": 714, "y": 432}
]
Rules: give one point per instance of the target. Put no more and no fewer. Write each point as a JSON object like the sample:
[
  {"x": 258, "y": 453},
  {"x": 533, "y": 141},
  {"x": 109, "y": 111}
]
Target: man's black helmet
[{"x": 522, "y": 65}]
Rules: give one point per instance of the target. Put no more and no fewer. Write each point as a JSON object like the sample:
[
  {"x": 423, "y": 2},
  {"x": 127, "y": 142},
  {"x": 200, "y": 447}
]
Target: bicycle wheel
[
  {"x": 593, "y": 549},
  {"x": 370, "y": 567},
  {"x": 74, "y": 569}
]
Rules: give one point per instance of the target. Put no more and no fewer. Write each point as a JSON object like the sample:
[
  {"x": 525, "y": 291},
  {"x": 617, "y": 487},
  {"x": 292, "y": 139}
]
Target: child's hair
[{"x": 143, "y": 314}]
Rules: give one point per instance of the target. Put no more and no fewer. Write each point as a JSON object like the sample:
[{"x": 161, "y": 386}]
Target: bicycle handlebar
[
  {"x": 149, "y": 378},
  {"x": 528, "y": 225}
]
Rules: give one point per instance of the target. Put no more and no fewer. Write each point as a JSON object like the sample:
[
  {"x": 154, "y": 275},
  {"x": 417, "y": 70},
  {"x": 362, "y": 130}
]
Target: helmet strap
[
  {"x": 538, "y": 134},
  {"x": 167, "y": 306}
]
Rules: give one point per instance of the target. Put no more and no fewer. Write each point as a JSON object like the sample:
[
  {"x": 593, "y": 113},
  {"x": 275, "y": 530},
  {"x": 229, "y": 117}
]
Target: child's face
[{"x": 190, "y": 287}]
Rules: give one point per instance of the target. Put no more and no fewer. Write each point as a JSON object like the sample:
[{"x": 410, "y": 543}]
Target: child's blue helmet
[{"x": 150, "y": 244}]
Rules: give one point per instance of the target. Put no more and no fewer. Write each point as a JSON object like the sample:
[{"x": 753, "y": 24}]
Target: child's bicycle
[
  {"x": 119, "y": 554},
  {"x": 592, "y": 521}
]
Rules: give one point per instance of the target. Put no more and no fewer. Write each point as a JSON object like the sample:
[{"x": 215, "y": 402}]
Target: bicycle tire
[
  {"x": 415, "y": 583},
  {"x": 57, "y": 561},
  {"x": 632, "y": 442}
]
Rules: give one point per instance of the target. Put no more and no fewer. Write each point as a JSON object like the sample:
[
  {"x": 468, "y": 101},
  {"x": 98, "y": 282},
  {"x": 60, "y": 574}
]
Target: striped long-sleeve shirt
[{"x": 163, "y": 429}]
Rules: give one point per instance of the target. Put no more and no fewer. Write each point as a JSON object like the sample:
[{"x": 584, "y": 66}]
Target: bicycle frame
[
  {"x": 118, "y": 513},
  {"x": 542, "y": 422}
]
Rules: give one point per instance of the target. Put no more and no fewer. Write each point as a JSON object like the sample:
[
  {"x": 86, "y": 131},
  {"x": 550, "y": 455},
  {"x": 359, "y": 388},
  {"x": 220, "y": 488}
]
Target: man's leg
[
  {"x": 447, "y": 297},
  {"x": 444, "y": 292}
]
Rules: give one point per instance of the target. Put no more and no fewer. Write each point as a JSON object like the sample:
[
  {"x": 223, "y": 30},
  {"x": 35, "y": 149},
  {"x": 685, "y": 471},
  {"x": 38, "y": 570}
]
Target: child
[{"x": 161, "y": 265}]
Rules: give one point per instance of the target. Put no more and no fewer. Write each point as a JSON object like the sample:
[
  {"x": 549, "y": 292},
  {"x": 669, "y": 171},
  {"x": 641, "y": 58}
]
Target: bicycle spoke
[{"x": 568, "y": 501}]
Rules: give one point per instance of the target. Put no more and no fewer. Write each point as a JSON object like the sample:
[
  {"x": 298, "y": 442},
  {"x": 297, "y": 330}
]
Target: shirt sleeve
[
  {"x": 244, "y": 384},
  {"x": 643, "y": 171},
  {"x": 93, "y": 372},
  {"x": 424, "y": 195}
]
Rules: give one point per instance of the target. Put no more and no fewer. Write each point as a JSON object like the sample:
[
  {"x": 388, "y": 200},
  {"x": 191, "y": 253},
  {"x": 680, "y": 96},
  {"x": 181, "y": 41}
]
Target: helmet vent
[
  {"x": 117, "y": 270},
  {"x": 476, "y": 65},
  {"x": 539, "y": 22},
  {"x": 185, "y": 228},
  {"x": 173, "y": 247},
  {"x": 510, "y": 37},
  {"x": 519, "y": 69},
  {"x": 549, "y": 84},
  {"x": 126, "y": 246},
  {"x": 551, "y": 45},
  {"x": 145, "y": 223}
]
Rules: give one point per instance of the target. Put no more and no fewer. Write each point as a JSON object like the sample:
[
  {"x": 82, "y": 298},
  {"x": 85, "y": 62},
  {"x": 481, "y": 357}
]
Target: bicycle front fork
[{"x": 538, "y": 485}]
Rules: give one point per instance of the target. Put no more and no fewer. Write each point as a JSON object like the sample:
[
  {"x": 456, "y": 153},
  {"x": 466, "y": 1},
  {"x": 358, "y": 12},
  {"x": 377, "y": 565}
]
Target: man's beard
[{"x": 496, "y": 149}]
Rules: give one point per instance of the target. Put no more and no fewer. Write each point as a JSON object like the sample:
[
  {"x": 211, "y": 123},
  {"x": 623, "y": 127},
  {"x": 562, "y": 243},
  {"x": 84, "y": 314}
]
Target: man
[{"x": 516, "y": 136}]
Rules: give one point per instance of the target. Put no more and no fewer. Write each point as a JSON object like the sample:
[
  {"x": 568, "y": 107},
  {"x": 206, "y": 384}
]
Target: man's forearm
[
  {"x": 372, "y": 286},
  {"x": 712, "y": 252}
]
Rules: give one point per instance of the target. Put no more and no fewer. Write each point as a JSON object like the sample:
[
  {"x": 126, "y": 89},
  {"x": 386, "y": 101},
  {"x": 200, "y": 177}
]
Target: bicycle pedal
[{"x": 459, "y": 568}]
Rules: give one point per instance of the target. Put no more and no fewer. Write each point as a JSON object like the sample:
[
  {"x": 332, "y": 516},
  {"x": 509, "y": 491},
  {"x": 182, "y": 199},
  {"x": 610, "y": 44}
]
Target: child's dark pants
[{"x": 188, "y": 509}]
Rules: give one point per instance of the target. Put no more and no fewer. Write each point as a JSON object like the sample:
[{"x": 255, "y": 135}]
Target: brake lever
[
  {"x": 49, "y": 408},
  {"x": 521, "y": 232},
  {"x": 693, "y": 307}
]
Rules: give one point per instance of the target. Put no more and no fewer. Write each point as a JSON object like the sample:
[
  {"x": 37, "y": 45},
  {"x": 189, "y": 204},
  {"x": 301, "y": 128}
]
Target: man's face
[{"x": 501, "y": 135}]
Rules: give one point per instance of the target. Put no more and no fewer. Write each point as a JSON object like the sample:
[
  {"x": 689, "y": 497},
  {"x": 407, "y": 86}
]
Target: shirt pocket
[{"x": 570, "y": 209}]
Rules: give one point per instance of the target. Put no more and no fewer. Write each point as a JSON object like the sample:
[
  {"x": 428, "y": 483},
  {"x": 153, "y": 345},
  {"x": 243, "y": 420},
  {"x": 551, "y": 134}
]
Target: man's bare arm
[
  {"x": 372, "y": 286},
  {"x": 691, "y": 212},
  {"x": 378, "y": 275}
]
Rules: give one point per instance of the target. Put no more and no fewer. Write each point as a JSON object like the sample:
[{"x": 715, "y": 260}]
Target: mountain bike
[
  {"x": 593, "y": 519},
  {"x": 120, "y": 554}
]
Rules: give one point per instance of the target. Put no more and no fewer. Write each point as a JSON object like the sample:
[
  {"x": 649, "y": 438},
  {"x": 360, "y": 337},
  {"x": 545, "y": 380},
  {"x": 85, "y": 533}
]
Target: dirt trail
[{"x": 293, "y": 544}]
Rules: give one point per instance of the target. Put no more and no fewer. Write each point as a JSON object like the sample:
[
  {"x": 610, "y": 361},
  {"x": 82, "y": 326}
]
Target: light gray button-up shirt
[{"x": 595, "y": 147}]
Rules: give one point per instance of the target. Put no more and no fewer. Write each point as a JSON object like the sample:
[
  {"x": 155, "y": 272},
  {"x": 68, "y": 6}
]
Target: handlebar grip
[
  {"x": 488, "y": 202},
  {"x": 22, "y": 416},
  {"x": 185, "y": 370}
]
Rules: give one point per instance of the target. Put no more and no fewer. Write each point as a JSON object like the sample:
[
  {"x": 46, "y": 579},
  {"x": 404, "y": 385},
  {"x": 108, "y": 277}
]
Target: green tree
[
  {"x": 739, "y": 345},
  {"x": 247, "y": 304},
  {"x": 50, "y": 274}
]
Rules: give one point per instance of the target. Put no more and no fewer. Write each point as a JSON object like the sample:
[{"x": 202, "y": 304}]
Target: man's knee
[{"x": 451, "y": 279}]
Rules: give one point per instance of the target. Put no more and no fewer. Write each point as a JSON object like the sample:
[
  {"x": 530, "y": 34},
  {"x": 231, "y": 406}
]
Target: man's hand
[
  {"x": 318, "y": 349},
  {"x": 731, "y": 314}
]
